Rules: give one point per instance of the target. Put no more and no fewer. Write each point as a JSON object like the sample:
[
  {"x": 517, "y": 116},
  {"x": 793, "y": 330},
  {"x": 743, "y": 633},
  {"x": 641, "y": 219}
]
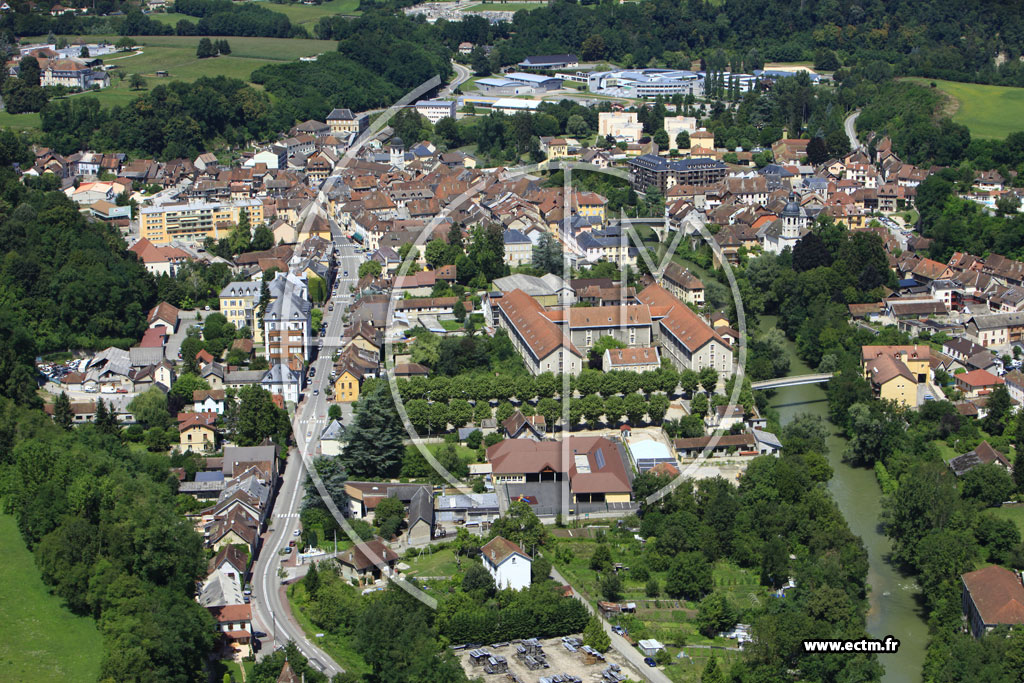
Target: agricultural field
[
  {"x": 42, "y": 640},
  {"x": 505, "y": 6},
  {"x": 989, "y": 111},
  {"x": 308, "y": 15}
]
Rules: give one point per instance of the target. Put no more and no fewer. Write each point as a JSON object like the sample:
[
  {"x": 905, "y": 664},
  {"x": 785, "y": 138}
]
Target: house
[
  {"x": 508, "y": 563},
  {"x": 363, "y": 496},
  {"x": 518, "y": 425},
  {"x": 209, "y": 401},
  {"x": 992, "y": 596},
  {"x": 368, "y": 561},
  {"x": 331, "y": 438},
  {"x": 518, "y": 248},
  {"x": 1015, "y": 385},
  {"x": 726, "y": 444},
  {"x": 650, "y": 647},
  {"x": 284, "y": 380},
  {"x": 163, "y": 314},
  {"x": 640, "y": 359},
  {"x": 977, "y": 383},
  {"x": 234, "y": 624},
  {"x": 196, "y": 432},
  {"x": 239, "y": 302},
  {"x": 344, "y": 122},
  {"x": 420, "y": 521},
  {"x": 983, "y": 454},
  {"x": 683, "y": 284},
  {"x": 996, "y": 329}
]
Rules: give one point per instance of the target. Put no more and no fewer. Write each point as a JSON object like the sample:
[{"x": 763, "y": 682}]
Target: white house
[{"x": 507, "y": 563}]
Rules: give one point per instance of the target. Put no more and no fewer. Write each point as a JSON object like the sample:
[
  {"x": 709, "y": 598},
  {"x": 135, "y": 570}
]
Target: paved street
[{"x": 269, "y": 602}]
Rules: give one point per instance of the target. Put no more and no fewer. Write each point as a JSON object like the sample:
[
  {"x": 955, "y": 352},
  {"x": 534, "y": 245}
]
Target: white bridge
[{"x": 794, "y": 381}]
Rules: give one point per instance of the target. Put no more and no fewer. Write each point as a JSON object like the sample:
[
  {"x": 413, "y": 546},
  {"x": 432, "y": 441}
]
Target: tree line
[
  {"x": 225, "y": 18},
  {"x": 101, "y": 521}
]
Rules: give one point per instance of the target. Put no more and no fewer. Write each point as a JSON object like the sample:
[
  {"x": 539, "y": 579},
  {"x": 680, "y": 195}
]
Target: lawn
[
  {"x": 440, "y": 563},
  {"x": 989, "y": 111},
  {"x": 310, "y": 14},
  {"x": 1014, "y": 513},
  {"x": 42, "y": 640},
  {"x": 19, "y": 121}
]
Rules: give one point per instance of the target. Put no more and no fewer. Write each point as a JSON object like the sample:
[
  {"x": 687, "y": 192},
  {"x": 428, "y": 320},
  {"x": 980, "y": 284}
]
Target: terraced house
[{"x": 239, "y": 302}]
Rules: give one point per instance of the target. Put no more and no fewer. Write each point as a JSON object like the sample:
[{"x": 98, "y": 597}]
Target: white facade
[
  {"x": 512, "y": 572},
  {"x": 435, "y": 110}
]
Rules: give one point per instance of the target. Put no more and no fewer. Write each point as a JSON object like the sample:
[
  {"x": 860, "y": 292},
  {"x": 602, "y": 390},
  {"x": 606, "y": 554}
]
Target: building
[
  {"x": 689, "y": 342},
  {"x": 646, "y": 83},
  {"x": 367, "y": 561},
  {"x": 195, "y": 221},
  {"x": 287, "y": 322},
  {"x": 73, "y": 73},
  {"x": 549, "y": 62},
  {"x": 627, "y": 324},
  {"x": 623, "y": 126},
  {"x": 649, "y": 170},
  {"x": 507, "y": 563},
  {"x": 518, "y": 248},
  {"x": 239, "y": 302},
  {"x": 420, "y": 521},
  {"x": 537, "y": 339},
  {"x": 640, "y": 359},
  {"x": 992, "y": 596},
  {"x": 435, "y": 110},
  {"x": 595, "y": 466},
  {"x": 977, "y": 383},
  {"x": 983, "y": 454},
  {"x": 344, "y": 122},
  {"x": 996, "y": 329},
  {"x": 682, "y": 284}
]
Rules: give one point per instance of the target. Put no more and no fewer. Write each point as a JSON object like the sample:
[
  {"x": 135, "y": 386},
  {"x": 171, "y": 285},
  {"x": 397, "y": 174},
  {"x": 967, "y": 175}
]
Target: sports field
[
  {"x": 989, "y": 111},
  {"x": 42, "y": 640},
  {"x": 177, "y": 56}
]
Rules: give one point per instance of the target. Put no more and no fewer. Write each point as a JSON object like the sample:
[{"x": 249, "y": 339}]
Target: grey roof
[
  {"x": 233, "y": 454},
  {"x": 209, "y": 476},
  {"x": 767, "y": 438},
  {"x": 473, "y": 501},
  {"x": 289, "y": 305},
  {"x": 997, "y": 320},
  {"x": 333, "y": 431},
  {"x": 141, "y": 356},
  {"x": 421, "y": 507},
  {"x": 220, "y": 590},
  {"x": 250, "y": 486},
  {"x": 243, "y": 288},
  {"x": 280, "y": 374},
  {"x": 207, "y": 486},
  {"x": 515, "y": 237},
  {"x": 244, "y": 376}
]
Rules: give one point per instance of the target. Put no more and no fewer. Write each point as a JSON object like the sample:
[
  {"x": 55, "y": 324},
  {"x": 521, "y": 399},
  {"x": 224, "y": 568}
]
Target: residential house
[
  {"x": 509, "y": 564},
  {"x": 977, "y": 383},
  {"x": 992, "y": 596},
  {"x": 996, "y": 329},
  {"x": 368, "y": 561},
  {"x": 518, "y": 248},
  {"x": 209, "y": 401},
  {"x": 420, "y": 522},
  {"x": 234, "y": 624},
  {"x": 344, "y": 122},
  {"x": 518, "y": 426},
  {"x": 683, "y": 284},
  {"x": 239, "y": 302},
  {"x": 197, "y": 433},
  {"x": 983, "y": 454}
]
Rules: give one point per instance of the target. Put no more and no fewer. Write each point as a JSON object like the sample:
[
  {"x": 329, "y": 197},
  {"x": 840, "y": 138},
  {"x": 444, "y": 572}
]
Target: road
[
  {"x": 309, "y": 421},
  {"x": 462, "y": 74},
  {"x": 628, "y": 652},
  {"x": 851, "y": 131}
]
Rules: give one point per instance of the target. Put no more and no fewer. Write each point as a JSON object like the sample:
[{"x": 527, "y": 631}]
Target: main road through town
[{"x": 310, "y": 419}]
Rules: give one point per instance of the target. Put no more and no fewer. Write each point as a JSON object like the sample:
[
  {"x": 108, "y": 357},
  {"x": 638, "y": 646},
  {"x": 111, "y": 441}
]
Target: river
[{"x": 894, "y": 610}]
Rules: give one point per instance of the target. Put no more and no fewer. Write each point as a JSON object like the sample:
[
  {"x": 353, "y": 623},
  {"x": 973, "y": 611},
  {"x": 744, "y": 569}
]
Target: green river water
[{"x": 894, "y": 610}]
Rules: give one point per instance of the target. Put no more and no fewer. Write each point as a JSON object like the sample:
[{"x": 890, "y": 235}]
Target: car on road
[
  {"x": 619, "y": 630},
  {"x": 330, "y": 307},
  {"x": 346, "y": 273},
  {"x": 316, "y": 392},
  {"x": 649, "y": 661},
  {"x": 259, "y": 634},
  {"x": 296, "y": 533}
]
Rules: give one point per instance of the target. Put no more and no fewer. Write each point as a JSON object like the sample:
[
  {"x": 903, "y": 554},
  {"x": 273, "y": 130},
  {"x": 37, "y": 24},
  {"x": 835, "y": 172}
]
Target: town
[{"x": 571, "y": 369}]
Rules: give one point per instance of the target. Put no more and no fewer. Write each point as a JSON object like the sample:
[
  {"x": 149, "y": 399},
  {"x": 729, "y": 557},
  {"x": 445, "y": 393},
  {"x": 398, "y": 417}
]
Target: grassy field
[
  {"x": 989, "y": 111},
  {"x": 177, "y": 56},
  {"x": 441, "y": 563},
  {"x": 42, "y": 640},
  {"x": 298, "y": 13},
  {"x": 1014, "y": 513}
]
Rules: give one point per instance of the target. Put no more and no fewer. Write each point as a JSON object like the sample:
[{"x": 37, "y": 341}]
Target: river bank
[{"x": 893, "y": 596}]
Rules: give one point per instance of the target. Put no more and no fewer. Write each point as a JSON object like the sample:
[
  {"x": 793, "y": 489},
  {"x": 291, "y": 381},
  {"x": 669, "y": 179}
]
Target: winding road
[{"x": 851, "y": 131}]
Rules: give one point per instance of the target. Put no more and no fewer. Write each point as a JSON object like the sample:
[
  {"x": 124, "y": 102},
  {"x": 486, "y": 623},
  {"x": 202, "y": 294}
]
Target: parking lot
[{"x": 560, "y": 661}]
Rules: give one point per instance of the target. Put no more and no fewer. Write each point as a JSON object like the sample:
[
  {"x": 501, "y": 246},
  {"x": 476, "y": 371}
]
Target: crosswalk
[{"x": 288, "y": 515}]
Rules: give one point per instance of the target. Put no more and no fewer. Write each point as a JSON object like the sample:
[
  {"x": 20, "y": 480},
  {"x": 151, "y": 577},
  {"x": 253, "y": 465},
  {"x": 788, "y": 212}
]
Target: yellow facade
[
  {"x": 194, "y": 222},
  {"x": 558, "y": 151},
  {"x": 899, "y": 389},
  {"x": 591, "y": 210},
  {"x": 198, "y": 438},
  {"x": 346, "y": 388},
  {"x": 240, "y": 312}
]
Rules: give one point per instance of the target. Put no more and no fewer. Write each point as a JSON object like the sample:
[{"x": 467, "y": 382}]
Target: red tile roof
[
  {"x": 499, "y": 548},
  {"x": 997, "y": 594}
]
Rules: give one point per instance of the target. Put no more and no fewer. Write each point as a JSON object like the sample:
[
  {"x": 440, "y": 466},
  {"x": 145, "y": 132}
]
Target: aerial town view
[{"x": 512, "y": 341}]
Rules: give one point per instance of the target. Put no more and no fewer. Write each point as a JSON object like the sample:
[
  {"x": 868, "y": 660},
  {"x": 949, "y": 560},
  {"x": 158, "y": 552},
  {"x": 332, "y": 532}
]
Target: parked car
[
  {"x": 330, "y": 307},
  {"x": 259, "y": 634},
  {"x": 649, "y": 661}
]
